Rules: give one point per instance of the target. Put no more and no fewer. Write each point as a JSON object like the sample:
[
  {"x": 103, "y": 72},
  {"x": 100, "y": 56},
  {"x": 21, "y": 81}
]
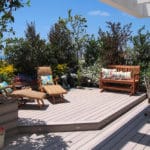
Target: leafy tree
[
  {"x": 77, "y": 25},
  {"x": 141, "y": 49},
  {"x": 37, "y": 46},
  {"x": 26, "y": 54},
  {"x": 113, "y": 43},
  {"x": 16, "y": 52},
  {"x": 91, "y": 51},
  {"x": 61, "y": 43},
  {"x": 7, "y": 7}
]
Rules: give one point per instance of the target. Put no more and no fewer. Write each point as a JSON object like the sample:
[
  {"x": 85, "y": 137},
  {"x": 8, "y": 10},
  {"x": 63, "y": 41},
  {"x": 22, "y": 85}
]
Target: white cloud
[{"x": 98, "y": 13}]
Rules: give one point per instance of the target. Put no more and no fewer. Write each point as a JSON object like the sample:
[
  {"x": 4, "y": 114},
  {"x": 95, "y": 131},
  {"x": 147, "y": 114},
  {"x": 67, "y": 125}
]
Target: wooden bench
[{"x": 128, "y": 85}]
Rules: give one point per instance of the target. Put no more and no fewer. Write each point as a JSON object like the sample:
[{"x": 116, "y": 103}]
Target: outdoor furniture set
[
  {"x": 46, "y": 84},
  {"x": 116, "y": 77}
]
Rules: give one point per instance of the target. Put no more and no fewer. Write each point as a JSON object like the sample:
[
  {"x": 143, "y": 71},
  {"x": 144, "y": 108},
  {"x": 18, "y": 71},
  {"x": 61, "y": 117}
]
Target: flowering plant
[{"x": 6, "y": 71}]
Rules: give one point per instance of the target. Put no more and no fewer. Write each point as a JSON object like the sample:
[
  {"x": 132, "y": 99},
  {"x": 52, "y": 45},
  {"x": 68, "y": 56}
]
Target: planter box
[
  {"x": 2, "y": 137},
  {"x": 9, "y": 115}
]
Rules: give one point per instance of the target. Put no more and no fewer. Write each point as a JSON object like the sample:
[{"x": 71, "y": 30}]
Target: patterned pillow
[
  {"x": 107, "y": 73},
  {"x": 3, "y": 84},
  {"x": 4, "y": 89},
  {"x": 121, "y": 75},
  {"x": 117, "y": 75},
  {"x": 47, "y": 80},
  {"x": 126, "y": 75}
]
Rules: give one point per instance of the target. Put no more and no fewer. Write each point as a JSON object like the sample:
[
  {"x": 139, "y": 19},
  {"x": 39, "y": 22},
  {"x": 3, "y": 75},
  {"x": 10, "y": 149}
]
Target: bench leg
[
  {"x": 132, "y": 89},
  {"x": 102, "y": 90}
]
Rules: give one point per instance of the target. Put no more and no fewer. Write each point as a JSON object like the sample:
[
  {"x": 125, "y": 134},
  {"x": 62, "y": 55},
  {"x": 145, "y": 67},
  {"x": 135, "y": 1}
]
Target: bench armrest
[
  {"x": 101, "y": 75},
  {"x": 136, "y": 75}
]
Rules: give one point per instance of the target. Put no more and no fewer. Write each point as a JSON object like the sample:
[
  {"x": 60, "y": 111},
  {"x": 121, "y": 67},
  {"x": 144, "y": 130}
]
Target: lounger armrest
[{"x": 39, "y": 81}]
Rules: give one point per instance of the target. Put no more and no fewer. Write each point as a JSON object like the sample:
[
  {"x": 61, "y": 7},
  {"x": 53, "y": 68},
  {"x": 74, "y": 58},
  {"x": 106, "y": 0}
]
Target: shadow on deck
[{"x": 135, "y": 134}]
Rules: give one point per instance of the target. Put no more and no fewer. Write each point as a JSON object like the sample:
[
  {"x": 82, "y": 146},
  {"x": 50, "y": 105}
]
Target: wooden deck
[
  {"x": 131, "y": 131},
  {"x": 84, "y": 109}
]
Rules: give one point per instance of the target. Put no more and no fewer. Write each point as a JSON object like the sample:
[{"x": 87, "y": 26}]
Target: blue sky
[{"x": 46, "y": 12}]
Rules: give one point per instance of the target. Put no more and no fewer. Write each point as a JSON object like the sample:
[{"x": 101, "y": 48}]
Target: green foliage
[
  {"x": 7, "y": 7},
  {"x": 67, "y": 39},
  {"x": 113, "y": 43},
  {"x": 27, "y": 54},
  {"x": 77, "y": 26},
  {"x": 60, "y": 69},
  {"x": 141, "y": 49},
  {"x": 141, "y": 52},
  {"x": 69, "y": 43},
  {"x": 92, "y": 51},
  {"x": 61, "y": 43},
  {"x": 6, "y": 71}
]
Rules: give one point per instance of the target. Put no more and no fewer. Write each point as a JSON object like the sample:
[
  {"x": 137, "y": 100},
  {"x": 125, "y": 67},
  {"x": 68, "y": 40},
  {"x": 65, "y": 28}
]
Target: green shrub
[{"x": 60, "y": 69}]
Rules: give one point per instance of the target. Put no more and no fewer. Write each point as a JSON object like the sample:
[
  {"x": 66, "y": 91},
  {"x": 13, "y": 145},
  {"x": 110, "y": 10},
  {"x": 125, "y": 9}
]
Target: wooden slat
[{"x": 116, "y": 88}]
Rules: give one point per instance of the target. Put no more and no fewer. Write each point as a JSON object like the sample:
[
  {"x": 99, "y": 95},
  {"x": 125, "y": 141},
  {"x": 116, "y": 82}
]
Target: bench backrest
[{"x": 125, "y": 68}]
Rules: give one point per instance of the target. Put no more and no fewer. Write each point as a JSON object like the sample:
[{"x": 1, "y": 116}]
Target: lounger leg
[
  {"x": 42, "y": 102},
  {"x": 53, "y": 99},
  {"x": 39, "y": 104},
  {"x": 61, "y": 97}
]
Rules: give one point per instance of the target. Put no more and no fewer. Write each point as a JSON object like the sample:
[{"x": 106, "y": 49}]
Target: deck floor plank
[
  {"x": 128, "y": 127},
  {"x": 114, "y": 126},
  {"x": 83, "y": 106}
]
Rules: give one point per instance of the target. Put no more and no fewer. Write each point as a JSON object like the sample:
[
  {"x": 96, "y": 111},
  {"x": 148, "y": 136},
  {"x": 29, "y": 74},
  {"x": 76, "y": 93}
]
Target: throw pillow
[
  {"x": 47, "y": 80},
  {"x": 4, "y": 90},
  {"x": 121, "y": 75},
  {"x": 107, "y": 73},
  {"x": 116, "y": 75},
  {"x": 126, "y": 75}
]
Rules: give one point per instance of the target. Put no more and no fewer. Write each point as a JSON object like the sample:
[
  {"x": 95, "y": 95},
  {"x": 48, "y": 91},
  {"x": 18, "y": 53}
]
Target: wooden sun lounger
[
  {"x": 54, "y": 90},
  {"x": 31, "y": 94}
]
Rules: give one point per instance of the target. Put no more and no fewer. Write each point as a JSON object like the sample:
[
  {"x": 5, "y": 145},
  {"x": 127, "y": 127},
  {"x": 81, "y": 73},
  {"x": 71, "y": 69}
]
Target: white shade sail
[{"x": 138, "y": 8}]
